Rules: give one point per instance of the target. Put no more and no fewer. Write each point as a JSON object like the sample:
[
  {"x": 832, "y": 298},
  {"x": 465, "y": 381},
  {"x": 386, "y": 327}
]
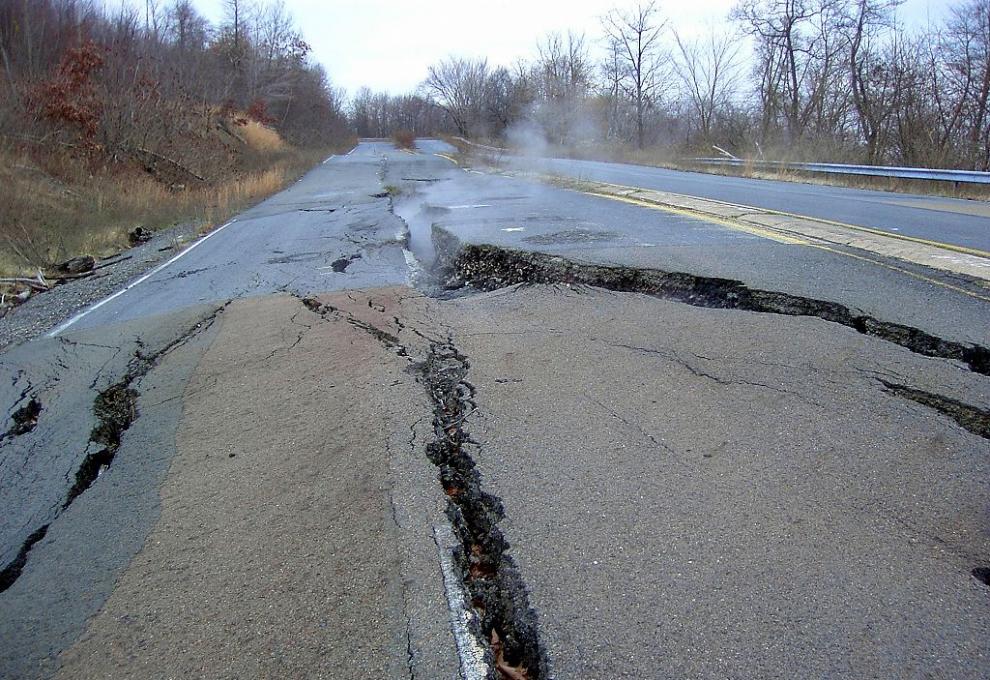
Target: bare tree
[
  {"x": 187, "y": 29},
  {"x": 872, "y": 80},
  {"x": 642, "y": 75},
  {"x": 459, "y": 88},
  {"x": 610, "y": 89},
  {"x": 562, "y": 78},
  {"x": 709, "y": 72},
  {"x": 798, "y": 61},
  {"x": 965, "y": 50}
]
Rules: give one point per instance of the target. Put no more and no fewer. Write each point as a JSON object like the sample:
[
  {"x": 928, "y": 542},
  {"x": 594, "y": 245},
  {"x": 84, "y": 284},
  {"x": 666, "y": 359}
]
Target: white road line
[
  {"x": 461, "y": 207},
  {"x": 332, "y": 156},
  {"x": 413, "y": 268},
  {"x": 470, "y": 653},
  {"x": 514, "y": 229},
  {"x": 77, "y": 317}
]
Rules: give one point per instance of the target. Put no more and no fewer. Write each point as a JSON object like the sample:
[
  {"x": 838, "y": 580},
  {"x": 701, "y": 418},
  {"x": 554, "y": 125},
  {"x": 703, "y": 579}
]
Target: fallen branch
[
  {"x": 107, "y": 262},
  {"x": 171, "y": 162},
  {"x": 30, "y": 283},
  {"x": 724, "y": 152}
]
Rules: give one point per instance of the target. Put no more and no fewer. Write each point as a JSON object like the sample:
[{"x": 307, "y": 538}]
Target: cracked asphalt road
[{"x": 627, "y": 486}]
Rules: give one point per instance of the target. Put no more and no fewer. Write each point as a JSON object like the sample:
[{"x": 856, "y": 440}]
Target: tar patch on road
[{"x": 571, "y": 236}]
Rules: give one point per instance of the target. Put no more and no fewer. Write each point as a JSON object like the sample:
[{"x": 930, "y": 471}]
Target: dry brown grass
[
  {"x": 261, "y": 138},
  {"x": 46, "y": 218}
]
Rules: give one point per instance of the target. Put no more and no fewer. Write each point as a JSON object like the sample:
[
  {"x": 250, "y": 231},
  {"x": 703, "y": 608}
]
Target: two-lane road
[
  {"x": 948, "y": 220},
  {"x": 291, "y": 452}
]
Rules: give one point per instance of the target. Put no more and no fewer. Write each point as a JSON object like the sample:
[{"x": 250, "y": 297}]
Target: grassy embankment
[{"x": 56, "y": 205}]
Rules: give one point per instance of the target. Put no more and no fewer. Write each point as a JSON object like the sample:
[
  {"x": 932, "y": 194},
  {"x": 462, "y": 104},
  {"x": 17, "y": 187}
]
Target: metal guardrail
[{"x": 937, "y": 175}]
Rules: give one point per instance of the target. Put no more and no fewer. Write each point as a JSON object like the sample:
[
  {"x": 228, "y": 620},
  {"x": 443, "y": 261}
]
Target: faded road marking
[
  {"x": 470, "y": 653},
  {"x": 735, "y": 226},
  {"x": 93, "y": 308}
]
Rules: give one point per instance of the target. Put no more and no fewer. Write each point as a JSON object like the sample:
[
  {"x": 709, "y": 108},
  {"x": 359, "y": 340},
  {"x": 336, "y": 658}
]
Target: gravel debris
[{"x": 44, "y": 311}]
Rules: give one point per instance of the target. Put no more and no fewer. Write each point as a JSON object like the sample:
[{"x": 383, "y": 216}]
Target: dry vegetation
[
  {"x": 112, "y": 121},
  {"x": 53, "y": 208},
  {"x": 404, "y": 139}
]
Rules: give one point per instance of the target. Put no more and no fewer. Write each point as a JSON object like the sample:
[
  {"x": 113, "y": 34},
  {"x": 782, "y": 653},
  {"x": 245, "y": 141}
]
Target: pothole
[
  {"x": 341, "y": 264},
  {"x": 572, "y": 236}
]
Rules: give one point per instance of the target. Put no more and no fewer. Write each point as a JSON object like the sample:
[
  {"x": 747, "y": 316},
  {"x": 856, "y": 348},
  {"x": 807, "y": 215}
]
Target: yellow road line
[
  {"x": 921, "y": 277},
  {"x": 736, "y": 226},
  {"x": 447, "y": 157},
  {"x": 785, "y": 239},
  {"x": 878, "y": 232}
]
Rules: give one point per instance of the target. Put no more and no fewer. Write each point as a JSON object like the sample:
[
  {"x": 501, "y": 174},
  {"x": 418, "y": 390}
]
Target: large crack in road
[
  {"x": 488, "y": 267},
  {"x": 116, "y": 409},
  {"x": 500, "y": 553},
  {"x": 504, "y": 624}
]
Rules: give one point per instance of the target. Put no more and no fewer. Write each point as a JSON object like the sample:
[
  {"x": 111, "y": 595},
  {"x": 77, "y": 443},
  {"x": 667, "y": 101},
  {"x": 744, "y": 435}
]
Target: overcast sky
[{"x": 388, "y": 44}]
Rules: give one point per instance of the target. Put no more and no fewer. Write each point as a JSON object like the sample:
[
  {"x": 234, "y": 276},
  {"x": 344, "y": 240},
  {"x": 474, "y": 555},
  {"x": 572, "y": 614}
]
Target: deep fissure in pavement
[
  {"x": 116, "y": 410},
  {"x": 12, "y": 571},
  {"x": 505, "y": 625},
  {"x": 968, "y": 417},
  {"x": 488, "y": 267}
]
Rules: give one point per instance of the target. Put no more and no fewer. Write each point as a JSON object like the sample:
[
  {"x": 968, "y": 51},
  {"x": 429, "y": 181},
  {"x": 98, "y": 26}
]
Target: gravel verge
[{"x": 44, "y": 311}]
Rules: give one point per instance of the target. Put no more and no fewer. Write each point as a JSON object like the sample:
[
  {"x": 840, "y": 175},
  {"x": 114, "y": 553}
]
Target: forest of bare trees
[
  {"x": 111, "y": 118},
  {"x": 837, "y": 80},
  {"x": 160, "y": 80}
]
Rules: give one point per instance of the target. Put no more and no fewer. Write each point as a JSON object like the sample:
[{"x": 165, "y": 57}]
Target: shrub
[{"x": 404, "y": 139}]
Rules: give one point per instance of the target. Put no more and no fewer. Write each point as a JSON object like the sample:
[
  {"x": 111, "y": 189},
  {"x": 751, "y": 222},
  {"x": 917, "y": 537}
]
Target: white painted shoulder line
[
  {"x": 52, "y": 333},
  {"x": 470, "y": 653}
]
